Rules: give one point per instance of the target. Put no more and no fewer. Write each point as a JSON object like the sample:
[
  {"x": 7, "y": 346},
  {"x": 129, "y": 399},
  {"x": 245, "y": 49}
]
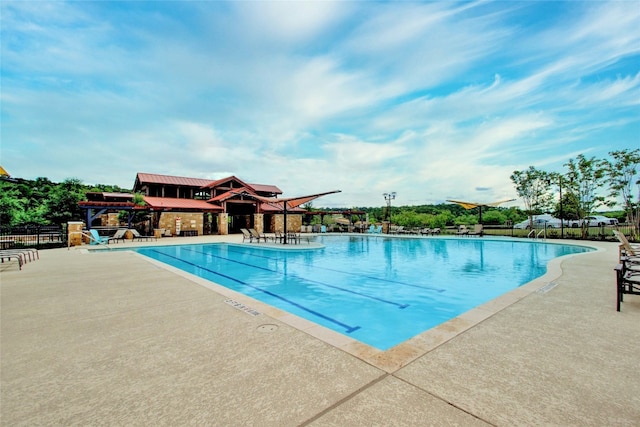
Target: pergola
[{"x": 94, "y": 209}]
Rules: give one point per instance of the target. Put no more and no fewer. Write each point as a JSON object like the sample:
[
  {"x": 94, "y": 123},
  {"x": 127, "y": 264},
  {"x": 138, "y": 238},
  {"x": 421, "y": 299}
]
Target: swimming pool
[{"x": 380, "y": 291}]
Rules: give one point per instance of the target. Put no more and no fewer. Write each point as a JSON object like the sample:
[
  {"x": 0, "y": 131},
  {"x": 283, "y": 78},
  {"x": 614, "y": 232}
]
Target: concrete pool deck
[{"x": 111, "y": 338}]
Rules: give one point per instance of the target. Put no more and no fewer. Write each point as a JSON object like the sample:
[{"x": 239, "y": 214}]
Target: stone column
[
  {"x": 258, "y": 222},
  {"x": 74, "y": 233},
  {"x": 223, "y": 223}
]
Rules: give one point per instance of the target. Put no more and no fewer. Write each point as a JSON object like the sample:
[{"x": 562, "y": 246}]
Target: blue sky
[{"x": 432, "y": 100}]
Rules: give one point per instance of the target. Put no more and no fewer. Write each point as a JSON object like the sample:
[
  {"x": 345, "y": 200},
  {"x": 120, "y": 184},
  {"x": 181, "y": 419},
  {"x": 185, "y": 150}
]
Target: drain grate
[{"x": 267, "y": 328}]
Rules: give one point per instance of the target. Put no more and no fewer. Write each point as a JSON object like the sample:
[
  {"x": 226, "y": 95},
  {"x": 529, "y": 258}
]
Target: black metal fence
[
  {"x": 33, "y": 236},
  {"x": 604, "y": 232}
]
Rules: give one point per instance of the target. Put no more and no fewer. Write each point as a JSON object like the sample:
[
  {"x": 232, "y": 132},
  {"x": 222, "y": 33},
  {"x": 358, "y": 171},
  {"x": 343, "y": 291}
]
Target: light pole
[
  {"x": 561, "y": 212},
  {"x": 388, "y": 197}
]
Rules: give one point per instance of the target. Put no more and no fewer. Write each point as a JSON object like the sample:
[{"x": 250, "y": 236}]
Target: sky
[{"x": 431, "y": 100}]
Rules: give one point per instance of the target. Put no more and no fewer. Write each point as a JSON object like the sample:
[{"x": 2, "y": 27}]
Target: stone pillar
[
  {"x": 258, "y": 222},
  {"x": 74, "y": 233},
  {"x": 223, "y": 223}
]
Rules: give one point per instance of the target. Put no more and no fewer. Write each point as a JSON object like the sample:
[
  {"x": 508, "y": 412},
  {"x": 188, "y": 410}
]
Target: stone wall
[
  {"x": 188, "y": 221},
  {"x": 294, "y": 222},
  {"x": 74, "y": 228}
]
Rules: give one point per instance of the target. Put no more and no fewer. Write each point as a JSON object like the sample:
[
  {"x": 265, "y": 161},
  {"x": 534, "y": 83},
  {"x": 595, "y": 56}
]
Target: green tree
[
  {"x": 532, "y": 185},
  {"x": 11, "y": 204},
  {"x": 586, "y": 176},
  {"x": 494, "y": 217},
  {"x": 622, "y": 172},
  {"x": 63, "y": 201}
]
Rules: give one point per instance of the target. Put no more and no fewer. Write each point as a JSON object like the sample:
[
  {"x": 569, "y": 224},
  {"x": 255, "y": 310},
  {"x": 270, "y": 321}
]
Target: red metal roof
[
  {"x": 174, "y": 203},
  {"x": 114, "y": 205},
  {"x": 151, "y": 178},
  {"x": 261, "y": 188},
  {"x": 229, "y": 195}
]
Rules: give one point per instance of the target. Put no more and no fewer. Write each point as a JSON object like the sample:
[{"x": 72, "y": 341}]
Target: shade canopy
[
  {"x": 473, "y": 205},
  {"x": 286, "y": 203}
]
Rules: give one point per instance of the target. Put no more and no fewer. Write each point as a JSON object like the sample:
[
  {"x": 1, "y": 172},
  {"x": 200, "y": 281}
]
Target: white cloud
[{"x": 432, "y": 100}]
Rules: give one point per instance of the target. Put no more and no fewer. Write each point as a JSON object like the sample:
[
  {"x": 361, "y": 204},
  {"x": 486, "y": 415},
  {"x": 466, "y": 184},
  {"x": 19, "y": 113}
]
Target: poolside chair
[
  {"x": 323, "y": 228},
  {"x": 257, "y": 236},
  {"x": 372, "y": 229},
  {"x": 119, "y": 235},
  {"x": 632, "y": 249},
  {"x": 246, "y": 235},
  {"x": 8, "y": 256},
  {"x": 627, "y": 282},
  {"x": 138, "y": 236},
  {"x": 478, "y": 230},
  {"x": 96, "y": 239},
  {"x": 462, "y": 231}
]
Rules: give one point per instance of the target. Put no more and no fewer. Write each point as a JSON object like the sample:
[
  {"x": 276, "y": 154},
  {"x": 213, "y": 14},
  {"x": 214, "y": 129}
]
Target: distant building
[{"x": 193, "y": 206}]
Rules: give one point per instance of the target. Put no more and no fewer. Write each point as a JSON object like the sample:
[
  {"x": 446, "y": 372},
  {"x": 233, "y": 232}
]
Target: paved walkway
[{"x": 112, "y": 339}]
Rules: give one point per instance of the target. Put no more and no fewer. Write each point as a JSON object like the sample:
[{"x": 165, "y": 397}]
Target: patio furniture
[
  {"x": 257, "y": 236},
  {"x": 477, "y": 230},
  {"x": 8, "y": 256},
  {"x": 119, "y": 235},
  {"x": 627, "y": 282},
  {"x": 138, "y": 236},
  {"x": 462, "y": 231},
  {"x": 96, "y": 239}
]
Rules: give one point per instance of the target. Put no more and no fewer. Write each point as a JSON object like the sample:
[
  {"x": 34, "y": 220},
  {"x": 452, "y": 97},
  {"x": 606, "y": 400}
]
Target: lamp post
[
  {"x": 388, "y": 197},
  {"x": 561, "y": 212}
]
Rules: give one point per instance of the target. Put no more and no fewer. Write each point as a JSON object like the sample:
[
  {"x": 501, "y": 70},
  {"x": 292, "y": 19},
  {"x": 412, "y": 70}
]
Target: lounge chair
[
  {"x": 462, "y": 231},
  {"x": 626, "y": 248},
  {"x": 138, "y": 236},
  {"x": 246, "y": 235},
  {"x": 9, "y": 255},
  {"x": 478, "y": 230},
  {"x": 119, "y": 235},
  {"x": 257, "y": 236},
  {"x": 372, "y": 229},
  {"x": 96, "y": 239}
]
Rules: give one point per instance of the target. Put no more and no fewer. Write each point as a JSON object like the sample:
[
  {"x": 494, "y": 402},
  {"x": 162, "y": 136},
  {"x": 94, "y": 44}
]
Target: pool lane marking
[
  {"x": 401, "y": 306},
  {"x": 347, "y": 328},
  {"x": 428, "y": 288}
]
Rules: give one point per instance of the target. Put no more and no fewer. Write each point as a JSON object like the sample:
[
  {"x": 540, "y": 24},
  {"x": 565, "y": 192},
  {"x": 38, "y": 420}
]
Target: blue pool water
[{"x": 380, "y": 291}]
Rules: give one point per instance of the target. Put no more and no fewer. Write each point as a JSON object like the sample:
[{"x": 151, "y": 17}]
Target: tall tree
[
  {"x": 63, "y": 201},
  {"x": 624, "y": 181},
  {"x": 586, "y": 176},
  {"x": 532, "y": 185}
]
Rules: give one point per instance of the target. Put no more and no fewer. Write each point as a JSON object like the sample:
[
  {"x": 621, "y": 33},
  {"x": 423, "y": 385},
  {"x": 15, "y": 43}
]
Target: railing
[
  {"x": 594, "y": 233},
  {"x": 33, "y": 236}
]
